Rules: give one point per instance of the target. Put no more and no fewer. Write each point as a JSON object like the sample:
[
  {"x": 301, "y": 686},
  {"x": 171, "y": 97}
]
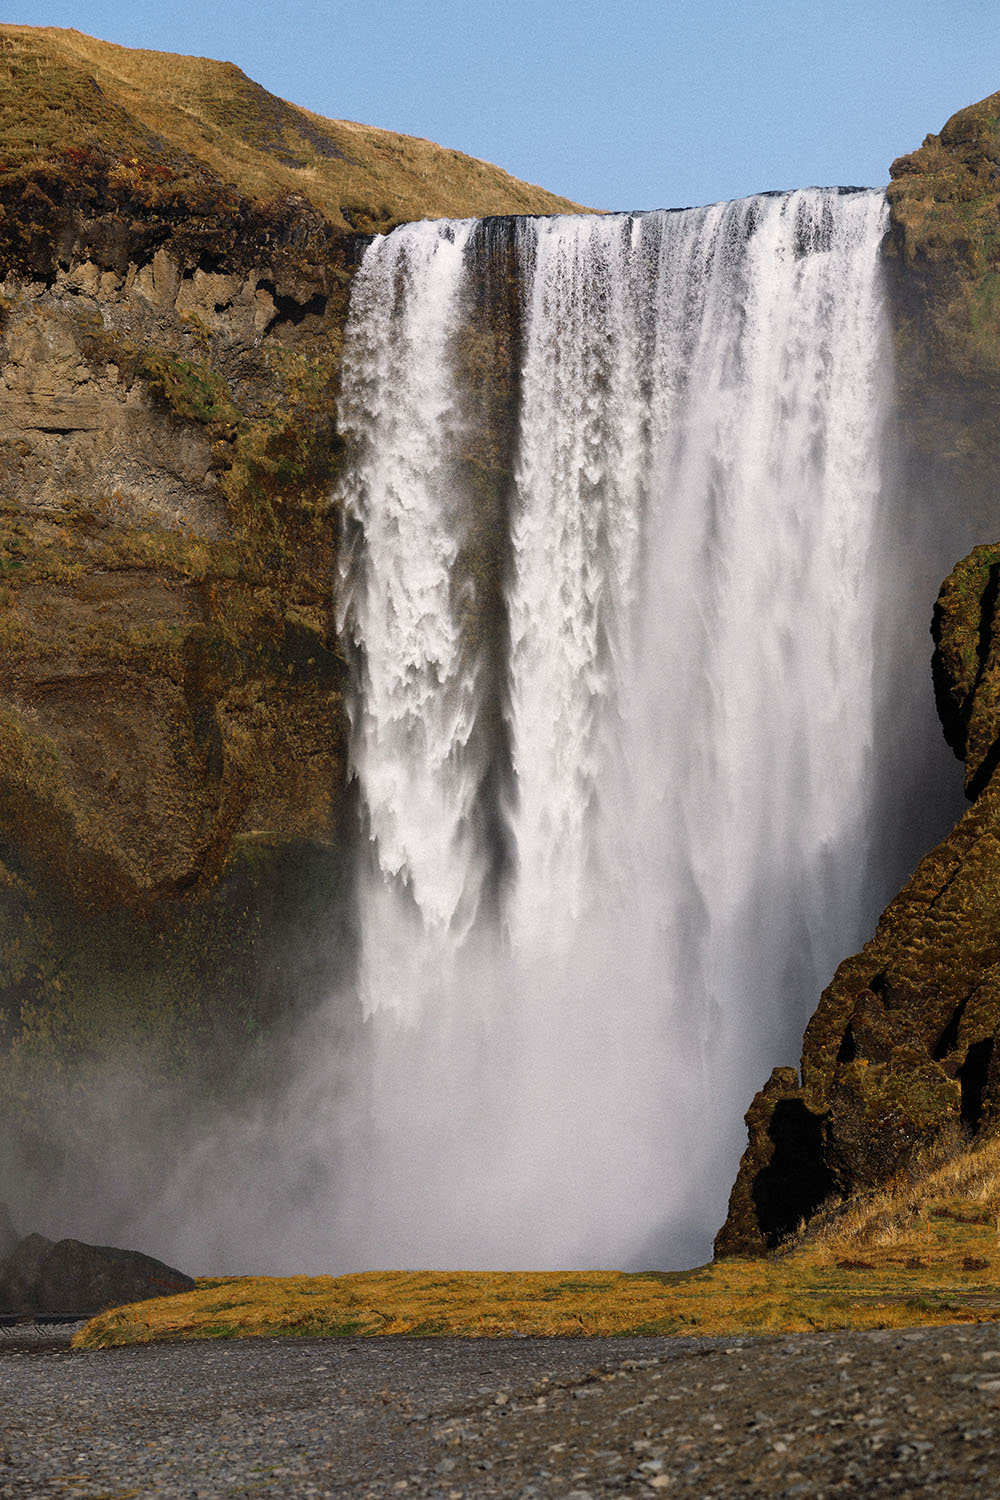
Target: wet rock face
[
  {"x": 167, "y": 444},
  {"x": 942, "y": 261},
  {"x": 173, "y": 805},
  {"x": 944, "y": 199}
]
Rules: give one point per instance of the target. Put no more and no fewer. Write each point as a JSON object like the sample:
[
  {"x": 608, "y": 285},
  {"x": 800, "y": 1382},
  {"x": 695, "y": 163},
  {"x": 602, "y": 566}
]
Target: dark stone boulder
[{"x": 68, "y": 1276}]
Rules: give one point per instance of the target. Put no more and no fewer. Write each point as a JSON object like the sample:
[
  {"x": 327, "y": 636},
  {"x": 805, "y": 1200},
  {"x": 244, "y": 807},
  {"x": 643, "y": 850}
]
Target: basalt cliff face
[
  {"x": 176, "y": 251},
  {"x": 902, "y": 1050}
]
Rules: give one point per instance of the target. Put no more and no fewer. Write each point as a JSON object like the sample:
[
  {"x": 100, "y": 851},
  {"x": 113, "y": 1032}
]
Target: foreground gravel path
[{"x": 876, "y": 1414}]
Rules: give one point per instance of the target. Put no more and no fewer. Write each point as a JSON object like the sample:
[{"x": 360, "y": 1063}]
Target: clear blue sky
[{"x": 634, "y": 104}]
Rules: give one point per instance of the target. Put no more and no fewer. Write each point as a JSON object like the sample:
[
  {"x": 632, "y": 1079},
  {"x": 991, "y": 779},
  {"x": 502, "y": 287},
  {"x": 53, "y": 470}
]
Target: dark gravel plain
[{"x": 912, "y": 1413}]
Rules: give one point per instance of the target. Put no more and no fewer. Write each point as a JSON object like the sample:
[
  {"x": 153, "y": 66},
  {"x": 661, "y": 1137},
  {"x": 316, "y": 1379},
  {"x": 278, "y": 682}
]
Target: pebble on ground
[{"x": 898, "y": 1414}]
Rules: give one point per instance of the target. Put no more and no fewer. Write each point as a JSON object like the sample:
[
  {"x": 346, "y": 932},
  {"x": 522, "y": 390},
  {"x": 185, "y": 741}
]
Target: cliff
[
  {"x": 902, "y": 1050},
  {"x": 176, "y": 250}
]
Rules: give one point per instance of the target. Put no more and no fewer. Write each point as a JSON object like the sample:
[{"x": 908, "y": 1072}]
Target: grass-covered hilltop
[
  {"x": 166, "y": 126},
  {"x": 176, "y": 254}
]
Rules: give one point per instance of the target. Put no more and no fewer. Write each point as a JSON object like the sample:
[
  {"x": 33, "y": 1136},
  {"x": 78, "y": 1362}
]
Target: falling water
[{"x": 576, "y": 971}]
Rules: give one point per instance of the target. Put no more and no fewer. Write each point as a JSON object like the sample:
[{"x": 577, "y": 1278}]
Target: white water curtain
[{"x": 691, "y": 696}]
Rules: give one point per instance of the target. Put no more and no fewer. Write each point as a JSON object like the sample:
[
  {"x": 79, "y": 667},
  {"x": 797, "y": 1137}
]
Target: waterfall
[{"x": 613, "y": 741}]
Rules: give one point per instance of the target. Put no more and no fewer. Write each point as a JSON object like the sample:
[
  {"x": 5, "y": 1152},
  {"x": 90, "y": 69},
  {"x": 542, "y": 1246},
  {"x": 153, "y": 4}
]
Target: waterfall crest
[{"x": 576, "y": 972}]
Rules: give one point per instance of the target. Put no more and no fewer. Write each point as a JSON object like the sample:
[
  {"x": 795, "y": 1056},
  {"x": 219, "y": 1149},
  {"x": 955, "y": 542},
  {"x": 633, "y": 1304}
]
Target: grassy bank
[{"x": 925, "y": 1249}]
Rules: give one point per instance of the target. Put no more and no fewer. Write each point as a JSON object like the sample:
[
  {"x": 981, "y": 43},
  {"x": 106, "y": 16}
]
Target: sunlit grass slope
[
  {"x": 162, "y": 113},
  {"x": 924, "y": 1249}
]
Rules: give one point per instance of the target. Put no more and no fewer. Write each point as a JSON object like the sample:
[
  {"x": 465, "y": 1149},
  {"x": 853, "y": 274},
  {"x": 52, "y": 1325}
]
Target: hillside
[{"x": 175, "y": 124}]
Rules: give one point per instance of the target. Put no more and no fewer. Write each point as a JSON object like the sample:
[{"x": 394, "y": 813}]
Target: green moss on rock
[
  {"x": 967, "y": 662},
  {"x": 192, "y": 390}
]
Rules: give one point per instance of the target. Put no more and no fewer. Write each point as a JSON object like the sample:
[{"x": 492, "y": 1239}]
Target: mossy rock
[
  {"x": 966, "y": 662},
  {"x": 882, "y": 1115}
]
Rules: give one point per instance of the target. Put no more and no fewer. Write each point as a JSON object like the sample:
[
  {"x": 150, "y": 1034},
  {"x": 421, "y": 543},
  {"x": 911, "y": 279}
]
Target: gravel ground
[{"x": 855, "y": 1414}]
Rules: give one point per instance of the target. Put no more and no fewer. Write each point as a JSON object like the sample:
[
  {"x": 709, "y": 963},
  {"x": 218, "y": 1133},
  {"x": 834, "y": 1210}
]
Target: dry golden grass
[
  {"x": 925, "y": 1249},
  {"x": 766, "y": 1296},
  {"x": 158, "y": 110},
  {"x": 954, "y": 1185}
]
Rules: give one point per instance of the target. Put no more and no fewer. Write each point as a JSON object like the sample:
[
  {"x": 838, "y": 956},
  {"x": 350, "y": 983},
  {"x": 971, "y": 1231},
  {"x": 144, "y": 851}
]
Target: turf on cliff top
[{"x": 179, "y": 124}]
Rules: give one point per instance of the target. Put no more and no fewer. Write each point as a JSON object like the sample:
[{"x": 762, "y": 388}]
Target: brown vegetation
[
  {"x": 923, "y": 1248},
  {"x": 175, "y": 124}
]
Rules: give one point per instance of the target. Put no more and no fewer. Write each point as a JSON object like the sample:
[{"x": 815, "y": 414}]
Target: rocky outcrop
[
  {"x": 67, "y": 1276},
  {"x": 942, "y": 260},
  {"x": 171, "y": 723},
  {"x": 168, "y": 680},
  {"x": 904, "y": 1047}
]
